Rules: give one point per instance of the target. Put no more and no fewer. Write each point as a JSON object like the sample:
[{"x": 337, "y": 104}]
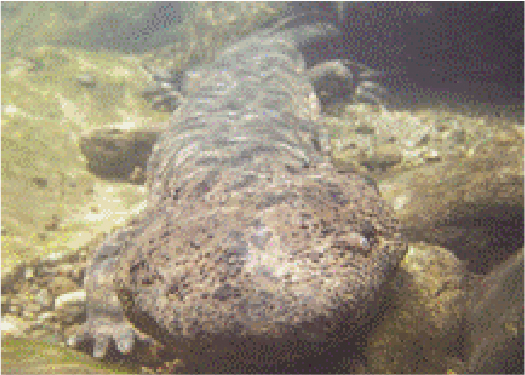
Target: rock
[
  {"x": 343, "y": 81},
  {"x": 44, "y": 299},
  {"x": 12, "y": 277},
  {"x": 73, "y": 298},
  {"x": 423, "y": 330},
  {"x": 48, "y": 317},
  {"x": 495, "y": 321},
  {"x": 87, "y": 80},
  {"x": 6, "y": 302},
  {"x": 118, "y": 151},
  {"x": 60, "y": 285},
  {"x": 12, "y": 326},
  {"x": 40, "y": 181},
  {"x": 20, "y": 67},
  {"x": 431, "y": 155},
  {"x": 70, "y": 308},
  {"x": 382, "y": 157},
  {"x": 472, "y": 205}
]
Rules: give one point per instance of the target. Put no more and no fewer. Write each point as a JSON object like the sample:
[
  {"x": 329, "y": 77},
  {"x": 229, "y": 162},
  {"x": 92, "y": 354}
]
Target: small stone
[
  {"x": 29, "y": 273},
  {"x": 60, "y": 285},
  {"x": 6, "y": 300},
  {"x": 458, "y": 137},
  {"x": 66, "y": 270},
  {"x": 504, "y": 138},
  {"x": 47, "y": 317},
  {"x": 44, "y": 299},
  {"x": 21, "y": 66},
  {"x": 87, "y": 80},
  {"x": 70, "y": 299},
  {"x": 15, "y": 309},
  {"x": 432, "y": 155},
  {"x": 400, "y": 201},
  {"x": 423, "y": 140},
  {"x": 40, "y": 182},
  {"x": 12, "y": 326},
  {"x": 364, "y": 129},
  {"x": 31, "y": 310},
  {"x": 52, "y": 224},
  {"x": 53, "y": 258},
  {"x": 384, "y": 156}
]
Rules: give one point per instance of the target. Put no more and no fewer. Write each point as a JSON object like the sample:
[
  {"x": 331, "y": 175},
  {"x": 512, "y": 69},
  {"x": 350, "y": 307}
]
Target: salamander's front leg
[{"x": 105, "y": 324}]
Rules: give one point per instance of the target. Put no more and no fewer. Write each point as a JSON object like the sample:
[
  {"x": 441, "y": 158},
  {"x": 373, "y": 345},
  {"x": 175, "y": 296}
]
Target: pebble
[
  {"x": 12, "y": 326},
  {"x": 70, "y": 299},
  {"x": 30, "y": 292},
  {"x": 15, "y": 309},
  {"x": 504, "y": 138},
  {"x": 87, "y": 80},
  {"x": 29, "y": 273},
  {"x": 61, "y": 285},
  {"x": 31, "y": 311},
  {"x": 6, "y": 302},
  {"x": 54, "y": 258},
  {"x": 47, "y": 317},
  {"x": 400, "y": 201},
  {"x": 432, "y": 155},
  {"x": 40, "y": 182},
  {"x": 44, "y": 298},
  {"x": 384, "y": 156},
  {"x": 21, "y": 66},
  {"x": 458, "y": 137}
]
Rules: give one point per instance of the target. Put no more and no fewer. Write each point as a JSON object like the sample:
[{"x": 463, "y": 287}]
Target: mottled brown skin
[
  {"x": 265, "y": 267},
  {"x": 253, "y": 253}
]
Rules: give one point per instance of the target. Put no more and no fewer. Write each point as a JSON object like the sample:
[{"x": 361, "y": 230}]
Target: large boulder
[
  {"x": 472, "y": 205},
  {"x": 495, "y": 321},
  {"x": 423, "y": 332}
]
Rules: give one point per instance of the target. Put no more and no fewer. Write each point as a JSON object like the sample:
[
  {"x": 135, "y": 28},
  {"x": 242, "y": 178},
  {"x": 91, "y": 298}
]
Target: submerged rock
[
  {"x": 119, "y": 152},
  {"x": 495, "y": 321},
  {"x": 472, "y": 205},
  {"x": 424, "y": 330}
]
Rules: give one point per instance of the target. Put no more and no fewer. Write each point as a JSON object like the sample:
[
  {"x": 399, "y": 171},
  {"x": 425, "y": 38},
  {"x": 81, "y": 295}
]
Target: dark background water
[
  {"x": 438, "y": 45},
  {"x": 433, "y": 44}
]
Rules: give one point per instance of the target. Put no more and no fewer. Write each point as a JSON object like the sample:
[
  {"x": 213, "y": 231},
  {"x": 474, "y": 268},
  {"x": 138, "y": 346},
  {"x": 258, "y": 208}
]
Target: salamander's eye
[{"x": 358, "y": 242}]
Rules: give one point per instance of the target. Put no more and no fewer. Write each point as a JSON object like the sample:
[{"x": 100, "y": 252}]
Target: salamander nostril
[{"x": 368, "y": 231}]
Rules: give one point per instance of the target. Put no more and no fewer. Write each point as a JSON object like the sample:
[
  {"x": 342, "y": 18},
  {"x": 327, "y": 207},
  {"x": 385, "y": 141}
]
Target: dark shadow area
[
  {"x": 496, "y": 321},
  {"x": 484, "y": 238},
  {"x": 119, "y": 160},
  {"x": 490, "y": 237},
  {"x": 458, "y": 47}
]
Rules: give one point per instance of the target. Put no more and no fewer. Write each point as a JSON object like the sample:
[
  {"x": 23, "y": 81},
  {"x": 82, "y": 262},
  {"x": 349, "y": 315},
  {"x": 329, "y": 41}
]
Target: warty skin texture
[{"x": 253, "y": 251}]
